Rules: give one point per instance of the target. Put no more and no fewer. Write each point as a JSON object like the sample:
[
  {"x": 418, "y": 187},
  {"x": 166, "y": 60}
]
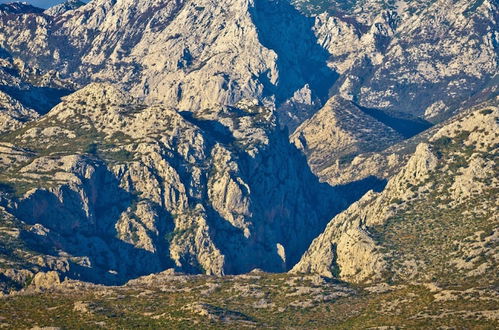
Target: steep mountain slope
[
  {"x": 436, "y": 220},
  {"x": 399, "y": 57},
  {"x": 13, "y": 114},
  {"x": 188, "y": 55},
  {"x": 112, "y": 189},
  {"x": 368, "y": 166},
  {"x": 64, "y": 7},
  {"x": 29, "y": 87},
  {"x": 15, "y": 8}
]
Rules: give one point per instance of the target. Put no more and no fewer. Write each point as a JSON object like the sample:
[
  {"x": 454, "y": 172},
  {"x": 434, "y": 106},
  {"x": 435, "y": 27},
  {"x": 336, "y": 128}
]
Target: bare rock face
[
  {"x": 402, "y": 56},
  {"x": 424, "y": 214},
  {"x": 200, "y": 54},
  {"x": 14, "y": 279},
  {"x": 407, "y": 58},
  {"x": 26, "y": 91},
  {"x": 120, "y": 189},
  {"x": 13, "y": 114},
  {"x": 174, "y": 151},
  {"x": 64, "y": 7},
  {"x": 43, "y": 281},
  {"x": 345, "y": 250}
]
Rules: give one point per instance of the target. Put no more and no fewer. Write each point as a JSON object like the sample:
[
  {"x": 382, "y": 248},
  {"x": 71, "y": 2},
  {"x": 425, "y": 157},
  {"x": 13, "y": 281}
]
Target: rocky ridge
[
  {"x": 156, "y": 53},
  {"x": 408, "y": 60},
  {"x": 441, "y": 204},
  {"x": 26, "y": 90},
  {"x": 339, "y": 132},
  {"x": 13, "y": 114},
  {"x": 64, "y": 7},
  {"x": 249, "y": 51}
]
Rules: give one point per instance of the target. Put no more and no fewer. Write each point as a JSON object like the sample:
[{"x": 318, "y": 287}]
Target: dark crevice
[
  {"x": 404, "y": 124},
  {"x": 300, "y": 59}
]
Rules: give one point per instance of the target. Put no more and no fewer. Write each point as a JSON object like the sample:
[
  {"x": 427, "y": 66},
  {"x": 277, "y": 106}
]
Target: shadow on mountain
[
  {"x": 40, "y": 99},
  {"x": 17, "y": 8},
  {"x": 301, "y": 60},
  {"x": 4, "y": 53},
  {"x": 404, "y": 124},
  {"x": 88, "y": 235},
  {"x": 353, "y": 191},
  {"x": 289, "y": 207},
  {"x": 216, "y": 130}
]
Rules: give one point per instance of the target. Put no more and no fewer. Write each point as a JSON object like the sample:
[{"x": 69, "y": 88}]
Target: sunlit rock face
[
  {"x": 425, "y": 58},
  {"x": 188, "y": 55}
]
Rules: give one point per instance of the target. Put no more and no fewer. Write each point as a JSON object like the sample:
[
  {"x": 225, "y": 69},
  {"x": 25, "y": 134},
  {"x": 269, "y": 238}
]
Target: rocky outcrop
[
  {"x": 44, "y": 281},
  {"x": 339, "y": 132}
]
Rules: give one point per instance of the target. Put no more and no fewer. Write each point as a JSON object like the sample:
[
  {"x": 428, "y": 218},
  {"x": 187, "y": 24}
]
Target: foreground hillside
[{"x": 248, "y": 301}]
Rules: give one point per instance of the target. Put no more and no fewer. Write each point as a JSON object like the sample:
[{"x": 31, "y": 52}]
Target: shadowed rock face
[
  {"x": 16, "y": 8},
  {"x": 301, "y": 61},
  {"x": 116, "y": 189},
  {"x": 25, "y": 90}
]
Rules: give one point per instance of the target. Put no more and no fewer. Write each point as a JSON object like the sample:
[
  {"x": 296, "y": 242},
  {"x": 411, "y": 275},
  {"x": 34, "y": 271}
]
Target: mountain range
[{"x": 352, "y": 140}]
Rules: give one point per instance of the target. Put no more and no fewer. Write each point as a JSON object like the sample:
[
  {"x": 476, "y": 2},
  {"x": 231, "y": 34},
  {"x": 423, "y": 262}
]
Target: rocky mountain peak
[
  {"x": 99, "y": 94},
  {"x": 16, "y": 8},
  {"x": 64, "y": 7}
]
